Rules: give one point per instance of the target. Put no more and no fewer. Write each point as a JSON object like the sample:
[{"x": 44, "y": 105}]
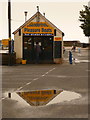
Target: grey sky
[{"x": 63, "y": 13}]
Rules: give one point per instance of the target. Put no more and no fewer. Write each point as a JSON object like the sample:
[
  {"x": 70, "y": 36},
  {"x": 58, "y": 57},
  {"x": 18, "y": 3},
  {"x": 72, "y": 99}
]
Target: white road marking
[
  {"x": 2, "y": 99},
  {"x": 84, "y": 60},
  {"x": 20, "y": 88},
  {"x": 46, "y": 73},
  {"x": 62, "y": 76},
  {"x": 77, "y": 76},
  {"x": 28, "y": 83},
  {"x": 35, "y": 79},
  {"x": 52, "y": 69},
  {"x": 43, "y": 75},
  {"x": 81, "y": 61}
]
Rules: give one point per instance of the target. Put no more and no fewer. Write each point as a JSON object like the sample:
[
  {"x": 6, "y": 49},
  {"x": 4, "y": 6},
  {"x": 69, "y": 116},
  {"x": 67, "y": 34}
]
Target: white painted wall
[{"x": 18, "y": 45}]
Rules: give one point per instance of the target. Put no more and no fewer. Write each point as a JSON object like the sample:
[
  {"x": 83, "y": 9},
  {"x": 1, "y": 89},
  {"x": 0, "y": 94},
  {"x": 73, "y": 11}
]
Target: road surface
[{"x": 47, "y": 76}]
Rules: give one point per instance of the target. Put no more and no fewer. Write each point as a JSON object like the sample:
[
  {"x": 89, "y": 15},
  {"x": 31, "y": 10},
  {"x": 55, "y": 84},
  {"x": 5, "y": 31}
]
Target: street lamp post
[
  {"x": 9, "y": 31},
  {"x": 9, "y": 24}
]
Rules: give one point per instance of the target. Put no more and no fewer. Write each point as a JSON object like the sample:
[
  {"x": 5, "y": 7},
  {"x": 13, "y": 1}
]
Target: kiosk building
[{"x": 41, "y": 30}]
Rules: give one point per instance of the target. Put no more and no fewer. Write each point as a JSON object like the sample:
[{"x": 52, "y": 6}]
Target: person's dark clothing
[{"x": 38, "y": 51}]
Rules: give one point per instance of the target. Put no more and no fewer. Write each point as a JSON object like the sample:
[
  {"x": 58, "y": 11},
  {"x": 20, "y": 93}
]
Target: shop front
[
  {"x": 46, "y": 45},
  {"x": 48, "y": 36}
]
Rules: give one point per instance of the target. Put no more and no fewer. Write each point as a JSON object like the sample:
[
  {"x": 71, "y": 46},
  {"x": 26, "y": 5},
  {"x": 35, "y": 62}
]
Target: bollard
[
  {"x": 54, "y": 91},
  {"x": 70, "y": 57},
  {"x": 9, "y": 95}
]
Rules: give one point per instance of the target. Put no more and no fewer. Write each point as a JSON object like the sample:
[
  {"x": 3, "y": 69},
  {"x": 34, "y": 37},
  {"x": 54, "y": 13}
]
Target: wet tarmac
[{"x": 72, "y": 79}]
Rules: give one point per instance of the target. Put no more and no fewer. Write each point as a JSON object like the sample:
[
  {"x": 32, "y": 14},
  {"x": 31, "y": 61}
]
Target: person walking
[
  {"x": 37, "y": 51},
  {"x": 79, "y": 50}
]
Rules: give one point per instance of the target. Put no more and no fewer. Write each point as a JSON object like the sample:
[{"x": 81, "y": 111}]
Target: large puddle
[
  {"x": 51, "y": 98},
  {"x": 64, "y": 97}
]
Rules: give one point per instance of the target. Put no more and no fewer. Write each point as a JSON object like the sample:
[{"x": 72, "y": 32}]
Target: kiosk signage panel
[{"x": 38, "y": 28}]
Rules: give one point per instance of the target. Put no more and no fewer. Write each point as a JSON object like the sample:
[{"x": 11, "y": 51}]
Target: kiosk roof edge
[{"x": 43, "y": 17}]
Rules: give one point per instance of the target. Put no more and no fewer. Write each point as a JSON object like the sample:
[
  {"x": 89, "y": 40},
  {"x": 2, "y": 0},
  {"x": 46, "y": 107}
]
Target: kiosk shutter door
[{"x": 57, "y": 49}]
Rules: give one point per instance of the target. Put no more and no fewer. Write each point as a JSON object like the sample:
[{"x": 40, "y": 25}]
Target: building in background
[
  {"x": 69, "y": 43},
  {"x": 41, "y": 30}
]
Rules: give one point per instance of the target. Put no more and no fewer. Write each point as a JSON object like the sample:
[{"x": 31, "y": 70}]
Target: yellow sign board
[
  {"x": 5, "y": 42},
  {"x": 57, "y": 38},
  {"x": 39, "y": 97},
  {"x": 38, "y": 28},
  {"x": 38, "y": 24}
]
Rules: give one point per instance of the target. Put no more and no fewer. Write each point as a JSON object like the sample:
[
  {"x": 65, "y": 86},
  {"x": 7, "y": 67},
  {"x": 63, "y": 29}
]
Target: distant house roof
[{"x": 35, "y": 15}]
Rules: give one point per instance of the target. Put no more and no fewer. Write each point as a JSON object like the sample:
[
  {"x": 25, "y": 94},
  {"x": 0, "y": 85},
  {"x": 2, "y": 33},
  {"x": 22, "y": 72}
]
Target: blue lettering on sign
[
  {"x": 31, "y": 30},
  {"x": 37, "y": 30},
  {"x": 46, "y": 30},
  {"x": 38, "y": 34}
]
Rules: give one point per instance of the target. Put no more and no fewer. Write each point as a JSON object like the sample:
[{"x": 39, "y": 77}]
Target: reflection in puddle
[
  {"x": 50, "y": 97},
  {"x": 65, "y": 96},
  {"x": 39, "y": 97}
]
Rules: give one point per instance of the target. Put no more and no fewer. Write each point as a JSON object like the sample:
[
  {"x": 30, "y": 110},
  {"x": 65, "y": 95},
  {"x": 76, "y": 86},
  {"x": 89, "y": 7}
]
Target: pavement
[{"x": 47, "y": 76}]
